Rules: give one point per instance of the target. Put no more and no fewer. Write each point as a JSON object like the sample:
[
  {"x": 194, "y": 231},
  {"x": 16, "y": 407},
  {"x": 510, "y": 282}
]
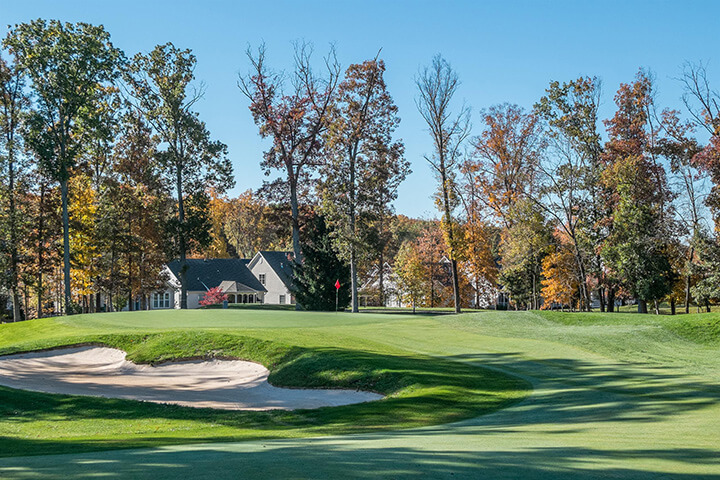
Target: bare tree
[
  {"x": 437, "y": 84},
  {"x": 701, "y": 101},
  {"x": 292, "y": 110}
]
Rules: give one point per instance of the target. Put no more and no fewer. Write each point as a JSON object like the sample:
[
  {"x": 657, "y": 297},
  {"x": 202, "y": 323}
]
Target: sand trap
[{"x": 104, "y": 372}]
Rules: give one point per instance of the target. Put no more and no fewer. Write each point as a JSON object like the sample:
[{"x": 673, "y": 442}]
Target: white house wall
[{"x": 274, "y": 286}]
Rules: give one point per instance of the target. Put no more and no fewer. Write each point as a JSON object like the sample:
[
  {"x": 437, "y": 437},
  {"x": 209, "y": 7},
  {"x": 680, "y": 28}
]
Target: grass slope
[{"x": 420, "y": 390}]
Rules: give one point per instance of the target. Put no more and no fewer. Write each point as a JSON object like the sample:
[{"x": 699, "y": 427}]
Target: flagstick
[{"x": 336, "y": 299}]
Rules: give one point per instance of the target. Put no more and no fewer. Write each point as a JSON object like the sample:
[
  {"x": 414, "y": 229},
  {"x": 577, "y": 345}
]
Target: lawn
[
  {"x": 613, "y": 396},
  {"x": 299, "y": 349}
]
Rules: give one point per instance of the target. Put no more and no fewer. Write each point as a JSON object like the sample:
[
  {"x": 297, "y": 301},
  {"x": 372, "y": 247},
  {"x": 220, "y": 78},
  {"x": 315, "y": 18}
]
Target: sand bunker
[{"x": 104, "y": 372}]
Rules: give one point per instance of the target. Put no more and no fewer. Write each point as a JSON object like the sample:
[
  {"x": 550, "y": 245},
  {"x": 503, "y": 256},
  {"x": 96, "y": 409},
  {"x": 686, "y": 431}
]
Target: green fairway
[{"x": 614, "y": 396}]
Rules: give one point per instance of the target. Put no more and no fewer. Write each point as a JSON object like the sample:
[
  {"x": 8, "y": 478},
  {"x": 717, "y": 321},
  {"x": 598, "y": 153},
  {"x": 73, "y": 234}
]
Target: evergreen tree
[{"x": 314, "y": 279}]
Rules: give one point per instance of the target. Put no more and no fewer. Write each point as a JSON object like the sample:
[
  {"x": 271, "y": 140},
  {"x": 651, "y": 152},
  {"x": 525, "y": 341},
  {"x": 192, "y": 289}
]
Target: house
[
  {"x": 230, "y": 274},
  {"x": 273, "y": 270},
  {"x": 480, "y": 294},
  {"x": 369, "y": 292}
]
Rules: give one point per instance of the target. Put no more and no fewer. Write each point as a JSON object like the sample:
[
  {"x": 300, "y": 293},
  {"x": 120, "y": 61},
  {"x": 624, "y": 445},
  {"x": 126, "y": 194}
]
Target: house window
[
  {"x": 282, "y": 299},
  {"x": 161, "y": 300},
  {"x": 262, "y": 278}
]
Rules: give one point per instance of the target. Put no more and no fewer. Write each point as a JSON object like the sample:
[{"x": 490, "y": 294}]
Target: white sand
[{"x": 104, "y": 372}]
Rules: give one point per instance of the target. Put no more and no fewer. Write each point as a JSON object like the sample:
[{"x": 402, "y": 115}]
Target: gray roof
[
  {"x": 228, "y": 286},
  {"x": 281, "y": 263},
  {"x": 210, "y": 273}
]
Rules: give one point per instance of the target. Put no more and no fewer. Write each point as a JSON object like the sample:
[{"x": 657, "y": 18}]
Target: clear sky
[{"x": 503, "y": 51}]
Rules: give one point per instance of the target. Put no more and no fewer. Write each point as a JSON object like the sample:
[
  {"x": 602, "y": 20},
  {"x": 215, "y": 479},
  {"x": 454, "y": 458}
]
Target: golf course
[{"x": 532, "y": 395}]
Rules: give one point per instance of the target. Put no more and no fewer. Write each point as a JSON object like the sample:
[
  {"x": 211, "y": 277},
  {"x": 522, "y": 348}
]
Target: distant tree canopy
[{"x": 107, "y": 172}]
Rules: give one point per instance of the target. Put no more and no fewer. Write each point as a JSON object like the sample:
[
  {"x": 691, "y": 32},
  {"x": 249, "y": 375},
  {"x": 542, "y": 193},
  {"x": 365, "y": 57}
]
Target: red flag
[{"x": 337, "y": 284}]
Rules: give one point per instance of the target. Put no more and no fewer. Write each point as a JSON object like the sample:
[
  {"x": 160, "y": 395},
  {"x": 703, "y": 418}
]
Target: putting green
[{"x": 614, "y": 397}]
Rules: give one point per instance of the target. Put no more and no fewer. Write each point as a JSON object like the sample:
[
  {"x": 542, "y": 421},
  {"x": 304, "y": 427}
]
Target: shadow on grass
[{"x": 330, "y": 459}]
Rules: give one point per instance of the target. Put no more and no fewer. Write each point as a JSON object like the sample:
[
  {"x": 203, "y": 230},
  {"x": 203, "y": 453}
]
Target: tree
[
  {"x": 504, "y": 163},
  {"x": 431, "y": 248},
  {"x": 522, "y": 249},
  {"x": 480, "y": 256},
  {"x": 365, "y": 166},
  {"x": 161, "y": 88},
  {"x": 560, "y": 282},
  {"x": 13, "y": 105},
  {"x": 67, "y": 65},
  {"x": 294, "y": 120},
  {"x": 437, "y": 84},
  {"x": 219, "y": 211},
  {"x": 214, "y": 296},
  {"x": 481, "y": 239},
  {"x": 132, "y": 213},
  {"x": 637, "y": 247},
  {"x": 42, "y": 202},
  {"x": 569, "y": 177},
  {"x": 683, "y": 151},
  {"x": 83, "y": 244},
  {"x": 251, "y": 225},
  {"x": 314, "y": 279},
  {"x": 411, "y": 272}
]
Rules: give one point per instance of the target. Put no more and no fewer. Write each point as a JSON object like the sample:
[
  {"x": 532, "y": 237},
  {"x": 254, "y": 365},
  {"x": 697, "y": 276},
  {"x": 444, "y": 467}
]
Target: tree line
[
  {"x": 539, "y": 204},
  {"x": 108, "y": 172}
]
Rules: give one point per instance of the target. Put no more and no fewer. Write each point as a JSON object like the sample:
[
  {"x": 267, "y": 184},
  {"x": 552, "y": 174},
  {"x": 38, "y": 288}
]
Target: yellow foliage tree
[
  {"x": 83, "y": 247},
  {"x": 560, "y": 284}
]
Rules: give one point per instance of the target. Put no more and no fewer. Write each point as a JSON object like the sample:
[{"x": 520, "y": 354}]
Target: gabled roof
[
  {"x": 210, "y": 273},
  {"x": 228, "y": 286},
  {"x": 280, "y": 262}
]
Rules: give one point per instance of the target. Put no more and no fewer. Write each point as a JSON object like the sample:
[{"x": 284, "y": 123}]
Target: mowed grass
[
  {"x": 300, "y": 349},
  {"x": 614, "y": 396}
]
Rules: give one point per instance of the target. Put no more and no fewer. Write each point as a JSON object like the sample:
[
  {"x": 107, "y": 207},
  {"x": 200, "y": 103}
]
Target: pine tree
[{"x": 314, "y": 279}]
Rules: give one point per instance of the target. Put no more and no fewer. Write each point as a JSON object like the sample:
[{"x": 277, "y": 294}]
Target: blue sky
[{"x": 503, "y": 51}]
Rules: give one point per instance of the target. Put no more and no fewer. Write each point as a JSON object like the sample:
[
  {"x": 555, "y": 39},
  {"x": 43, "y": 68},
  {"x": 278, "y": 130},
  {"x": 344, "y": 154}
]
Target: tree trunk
[
  {"x": 532, "y": 302},
  {"x": 687, "y": 293},
  {"x": 295, "y": 214},
  {"x": 657, "y": 307},
  {"x": 450, "y": 233},
  {"x": 642, "y": 306},
  {"x": 17, "y": 315},
  {"x": 98, "y": 303},
  {"x": 672, "y": 306},
  {"x": 353, "y": 280},
  {"x": 40, "y": 259},
  {"x": 707, "y": 306},
  {"x": 432, "y": 286},
  {"x": 181, "y": 241},
  {"x": 381, "y": 282},
  {"x": 131, "y": 306},
  {"x": 456, "y": 286},
  {"x": 66, "y": 246},
  {"x": 601, "y": 296},
  {"x": 353, "y": 255}
]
